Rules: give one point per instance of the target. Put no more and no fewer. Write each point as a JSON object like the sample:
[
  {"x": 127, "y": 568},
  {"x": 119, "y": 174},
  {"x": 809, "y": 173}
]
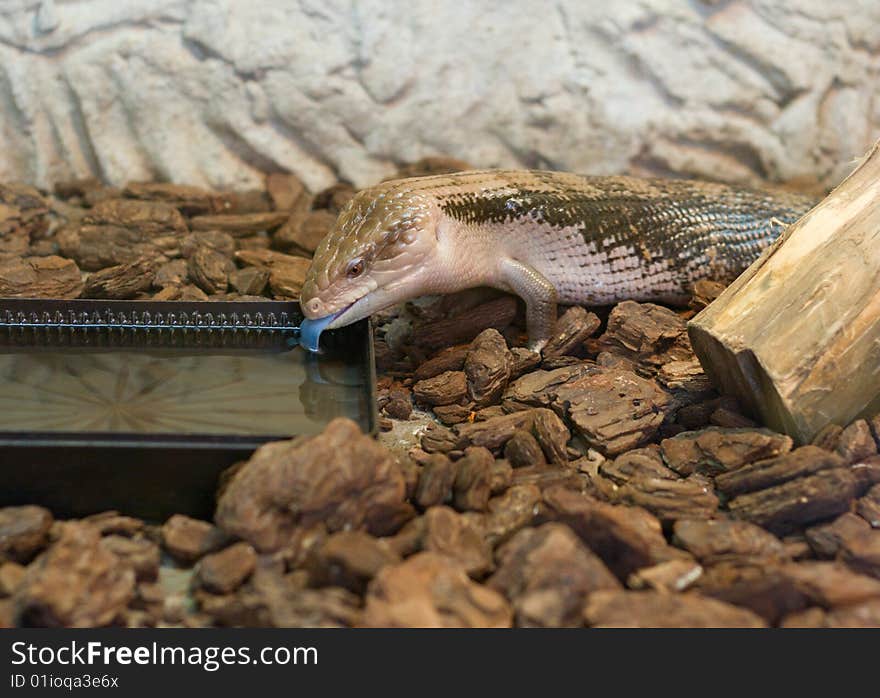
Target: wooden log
[{"x": 796, "y": 338}]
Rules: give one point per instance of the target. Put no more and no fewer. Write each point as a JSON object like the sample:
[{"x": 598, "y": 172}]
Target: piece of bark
[
  {"x": 335, "y": 197},
  {"x": 249, "y": 201},
  {"x": 305, "y": 232},
  {"x": 487, "y": 367},
  {"x": 11, "y": 576},
  {"x": 713, "y": 451},
  {"x": 225, "y": 571},
  {"x": 273, "y": 261},
  {"x": 828, "y": 437},
  {"x": 190, "y": 200},
  {"x": 573, "y": 327},
  {"x": 805, "y": 460},
  {"x": 760, "y": 587},
  {"x": 40, "y": 277},
  {"x": 825, "y": 494},
  {"x": 522, "y": 360},
  {"x": 794, "y": 337},
  {"x": 523, "y": 449},
  {"x": 210, "y": 270},
  {"x": 76, "y": 583},
  {"x": 240, "y": 225},
  {"x": 284, "y": 190},
  {"x": 408, "y": 540},
  {"x": 449, "y": 533},
  {"x": 95, "y": 247},
  {"x": 646, "y": 333},
  {"x": 626, "y": 538},
  {"x": 172, "y": 273},
  {"x": 24, "y": 532},
  {"x": 510, "y": 512},
  {"x": 540, "y": 388},
  {"x": 638, "y": 463},
  {"x": 670, "y": 500},
  {"x": 191, "y": 292},
  {"x": 831, "y": 584},
  {"x": 398, "y": 409},
  {"x": 856, "y": 442},
  {"x": 497, "y": 313},
  {"x": 249, "y": 281},
  {"x": 253, "y": 243},
  {"x": 614, "y": 411},
  {"x": 123, "y": 281},
  {"x": 686, "y": 379},
  {"x": 287, "y": 280},
  {"x": 868, "y": 507},
  {"x": 730, "y": 419},
  {"x": 23, "y": 211},
  {"x": 713, "y": 541},
  {"x": 552, "y": 436},
  {"x": 502, "y": 476},
  {"x": 341, "y": 477},
  {"x": 349, "y": 559},
  {"x": 431, "y": 590},
  {"x": 111, "y": 522},
  {"x": 705, "y": 292},
  {"x": 449, "y": 359},
  {"x": 140, "y": 554},
  {"x": 188, "y": 539},
  {"x": 549, "y": 476},
  {"x": 432, "y": 165},
  {"x": 438, "y": 439},
  {"x": 863, "y": 615},
  {"x": 827, "y": 539},
  {"x": 448, "y": 388},
  {"x": 473, "y": 480},
  {"x": 671, "y": 577},
  {"x": 214, "y": 239},
  {"x": 453, "y": 414},
  {"x": 271, "y": 599},
  {"x": 652, "y": 609},
  {"x": 862, "y": 552},
  {"x": 547, "y": 573},
  {"x": 435, "y": 481},
  {"x": 494, "y": 432},
  {"x": 150, "y": 217}
]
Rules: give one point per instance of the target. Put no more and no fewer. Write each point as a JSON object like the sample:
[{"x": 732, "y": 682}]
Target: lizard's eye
[{"x": 355, "y": 268}]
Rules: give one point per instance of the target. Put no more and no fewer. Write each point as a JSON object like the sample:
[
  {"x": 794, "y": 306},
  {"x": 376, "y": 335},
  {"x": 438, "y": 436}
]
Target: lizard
[{"x": 549, "y": 237}]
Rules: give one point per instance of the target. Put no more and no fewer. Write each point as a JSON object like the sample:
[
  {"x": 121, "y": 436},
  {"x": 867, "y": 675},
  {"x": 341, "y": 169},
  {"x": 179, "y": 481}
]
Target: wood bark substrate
[{"x": 796, "y": 338}]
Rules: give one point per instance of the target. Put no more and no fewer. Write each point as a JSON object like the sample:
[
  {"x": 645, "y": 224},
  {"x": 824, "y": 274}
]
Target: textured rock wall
[{"x": 218, "y": 91}]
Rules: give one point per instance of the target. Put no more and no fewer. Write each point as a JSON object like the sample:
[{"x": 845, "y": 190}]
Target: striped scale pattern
[{"x": 605, "y": 239}]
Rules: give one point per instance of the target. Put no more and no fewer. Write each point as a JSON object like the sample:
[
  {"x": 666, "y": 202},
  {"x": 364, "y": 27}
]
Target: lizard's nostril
[{"x": 313, "y": 305}]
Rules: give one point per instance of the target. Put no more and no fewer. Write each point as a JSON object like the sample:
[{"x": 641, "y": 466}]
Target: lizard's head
[{"x": 376, "y": 255}]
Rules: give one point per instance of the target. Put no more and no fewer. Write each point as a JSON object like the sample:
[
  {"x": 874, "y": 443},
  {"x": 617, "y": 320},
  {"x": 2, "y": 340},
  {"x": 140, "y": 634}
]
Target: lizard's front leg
[{"x": 540, "y": 297}]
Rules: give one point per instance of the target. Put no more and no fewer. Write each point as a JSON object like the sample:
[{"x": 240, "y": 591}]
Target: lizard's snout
[{"x": 314, "y": 308}]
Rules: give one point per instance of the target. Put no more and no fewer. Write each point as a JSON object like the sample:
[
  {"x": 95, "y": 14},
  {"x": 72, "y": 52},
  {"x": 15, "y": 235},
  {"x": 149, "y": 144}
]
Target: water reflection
[{"x": 192, "y": 392}]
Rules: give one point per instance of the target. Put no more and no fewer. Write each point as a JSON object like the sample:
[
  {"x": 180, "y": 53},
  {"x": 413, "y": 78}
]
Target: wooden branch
[{"x": 797, "y": 337}]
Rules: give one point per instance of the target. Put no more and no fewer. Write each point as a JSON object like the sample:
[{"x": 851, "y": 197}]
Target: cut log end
[{"x": 796, "y": 339}]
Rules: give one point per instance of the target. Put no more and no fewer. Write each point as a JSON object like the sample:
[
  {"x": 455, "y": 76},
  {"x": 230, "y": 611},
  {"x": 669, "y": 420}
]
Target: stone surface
[{"x": 131, "y": 89}]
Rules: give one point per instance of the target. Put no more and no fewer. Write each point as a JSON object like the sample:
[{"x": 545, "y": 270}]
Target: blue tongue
[{"x": 310, "y": 331}]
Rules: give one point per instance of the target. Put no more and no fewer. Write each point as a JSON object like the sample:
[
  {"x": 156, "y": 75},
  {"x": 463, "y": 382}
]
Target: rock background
[{"x": 216, "y": 92}]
